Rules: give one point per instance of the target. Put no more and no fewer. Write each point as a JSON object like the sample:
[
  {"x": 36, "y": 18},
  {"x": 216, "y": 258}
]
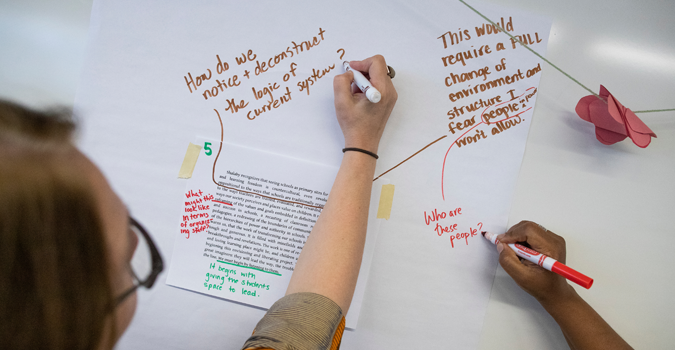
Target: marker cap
[
  {"x": 373, "y": 96},
  {"x": 572, "y": 275}
]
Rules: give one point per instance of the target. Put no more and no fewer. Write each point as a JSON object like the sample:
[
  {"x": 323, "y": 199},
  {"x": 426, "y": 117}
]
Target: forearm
[
  {"x": 582, "y": 327},
  {"x": 331, "y": 258}
]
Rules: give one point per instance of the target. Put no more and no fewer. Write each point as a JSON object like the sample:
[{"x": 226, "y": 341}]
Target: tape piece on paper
[
  {"x": 386, "y": 198},
  {"x": 189, "y": 161}
]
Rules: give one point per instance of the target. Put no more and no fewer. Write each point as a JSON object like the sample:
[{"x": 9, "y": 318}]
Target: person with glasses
[{"x": 72, "y": 257}]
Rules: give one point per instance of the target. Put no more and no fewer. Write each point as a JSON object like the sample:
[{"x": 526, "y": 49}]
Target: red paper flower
[{"x": 613, "y": 122}]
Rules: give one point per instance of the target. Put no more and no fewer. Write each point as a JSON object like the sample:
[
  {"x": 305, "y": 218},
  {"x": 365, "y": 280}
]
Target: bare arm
[
  {"x": 330, "y": 260},
  {"x": 582, "y": 327}
]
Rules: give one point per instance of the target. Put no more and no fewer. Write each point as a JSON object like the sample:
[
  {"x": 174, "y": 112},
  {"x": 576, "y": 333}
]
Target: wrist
[
  {"x": 364, "y": 143},
  {"x": 369, "y": 148},
  {"x": 360, "y": 150},
  {"x": 561, "y": 299},
  {"x": 360, "y": 166}
]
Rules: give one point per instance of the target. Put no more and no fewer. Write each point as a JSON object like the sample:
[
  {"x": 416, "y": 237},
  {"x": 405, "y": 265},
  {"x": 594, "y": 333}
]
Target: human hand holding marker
[
  {"x": 535, "y": 280},
  {"x": 362, "y": 122},
  {"x": 581, "y": 325},
  {"x": 548, "y": 263}
]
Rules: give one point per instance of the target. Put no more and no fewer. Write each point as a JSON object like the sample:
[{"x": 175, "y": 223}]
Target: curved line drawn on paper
[
  {"x": 483, "y": 120},
  {"x": 213, "y": 173}
]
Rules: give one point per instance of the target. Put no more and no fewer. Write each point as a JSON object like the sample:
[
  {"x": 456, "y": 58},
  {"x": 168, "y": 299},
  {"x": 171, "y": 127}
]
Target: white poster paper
[{"x": 156, "y": 75}]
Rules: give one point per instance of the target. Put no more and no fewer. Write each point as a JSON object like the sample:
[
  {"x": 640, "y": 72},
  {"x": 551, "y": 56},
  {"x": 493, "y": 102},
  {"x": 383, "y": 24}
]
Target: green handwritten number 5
[{"x": 207, "y": 149}]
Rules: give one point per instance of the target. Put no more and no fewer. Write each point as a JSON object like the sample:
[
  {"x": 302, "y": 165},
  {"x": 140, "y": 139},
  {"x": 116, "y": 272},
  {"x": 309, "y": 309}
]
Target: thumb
[{"x": 509, "y": 261}]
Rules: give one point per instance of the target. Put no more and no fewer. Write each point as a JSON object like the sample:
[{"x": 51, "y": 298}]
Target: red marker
[{"x": 545, "y": 262}]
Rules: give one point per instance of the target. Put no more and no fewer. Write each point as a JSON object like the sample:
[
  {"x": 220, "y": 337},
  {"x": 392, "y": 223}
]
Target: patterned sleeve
[{"x": 299, "y": 321}]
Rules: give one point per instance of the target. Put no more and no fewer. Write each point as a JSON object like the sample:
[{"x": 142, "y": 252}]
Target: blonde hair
[{"x": 56, "y": 291}]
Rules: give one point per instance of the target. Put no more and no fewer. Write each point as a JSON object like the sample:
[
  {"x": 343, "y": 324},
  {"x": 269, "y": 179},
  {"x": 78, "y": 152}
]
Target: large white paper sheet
[{"x": 452, "y": 148}]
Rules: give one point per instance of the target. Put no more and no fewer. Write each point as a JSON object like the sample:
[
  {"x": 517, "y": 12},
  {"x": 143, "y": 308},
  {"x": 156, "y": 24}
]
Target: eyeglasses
[{"x": 146, "y": 263}]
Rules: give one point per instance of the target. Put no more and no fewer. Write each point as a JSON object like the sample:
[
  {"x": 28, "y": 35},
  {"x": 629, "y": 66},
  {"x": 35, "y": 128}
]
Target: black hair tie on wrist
[{"x": 360, "y": 150}]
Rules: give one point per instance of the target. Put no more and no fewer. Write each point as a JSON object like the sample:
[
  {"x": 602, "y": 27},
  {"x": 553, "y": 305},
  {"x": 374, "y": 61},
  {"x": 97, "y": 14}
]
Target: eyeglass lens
[{"x": 141, "y": 261}]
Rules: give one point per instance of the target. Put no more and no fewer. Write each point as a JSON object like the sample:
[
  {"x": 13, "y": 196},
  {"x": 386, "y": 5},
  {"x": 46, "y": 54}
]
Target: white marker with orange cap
[{"x": 544, "y": 261}]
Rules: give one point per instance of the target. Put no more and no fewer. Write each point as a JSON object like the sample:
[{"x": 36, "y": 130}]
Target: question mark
[
  {"x": 481, "y": 226},
  {"x": 343, "y": 52}
]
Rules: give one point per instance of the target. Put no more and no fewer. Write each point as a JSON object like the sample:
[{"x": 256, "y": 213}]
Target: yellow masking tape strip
[
  {"x": 189, "y": 161},
  {"x": 386, "y": 198}
]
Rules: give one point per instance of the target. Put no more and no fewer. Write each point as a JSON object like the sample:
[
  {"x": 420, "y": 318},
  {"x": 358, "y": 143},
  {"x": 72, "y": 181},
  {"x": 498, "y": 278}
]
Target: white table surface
[{"x": 613, "y": 204}]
